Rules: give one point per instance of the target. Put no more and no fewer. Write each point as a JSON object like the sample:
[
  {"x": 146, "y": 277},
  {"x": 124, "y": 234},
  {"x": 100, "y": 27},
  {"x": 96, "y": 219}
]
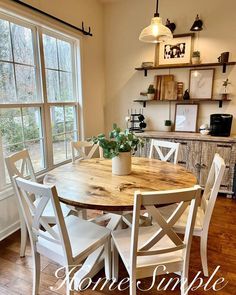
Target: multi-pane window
[
  {"x": 60, "y": 87},
  {"x": 44, "y": 122}
]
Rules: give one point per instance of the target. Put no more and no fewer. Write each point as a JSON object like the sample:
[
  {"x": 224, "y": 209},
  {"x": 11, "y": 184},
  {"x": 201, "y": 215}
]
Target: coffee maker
[{"x": 220, "y": 124}]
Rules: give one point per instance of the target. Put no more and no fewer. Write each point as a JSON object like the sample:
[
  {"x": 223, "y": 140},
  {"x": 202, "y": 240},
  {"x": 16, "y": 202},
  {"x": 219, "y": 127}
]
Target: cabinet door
[
  {"x": 208, "y": 152},
  {"x": 194, "y": 149},
  {"x": 190, "y": 156}
]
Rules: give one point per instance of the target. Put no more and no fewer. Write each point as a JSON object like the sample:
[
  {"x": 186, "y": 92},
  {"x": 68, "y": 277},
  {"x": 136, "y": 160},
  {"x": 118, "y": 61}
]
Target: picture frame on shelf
[
  {"x": 176, "y": 51},
  {"x": 186, "y": 117},
  {"x": 201, "y": 83}
]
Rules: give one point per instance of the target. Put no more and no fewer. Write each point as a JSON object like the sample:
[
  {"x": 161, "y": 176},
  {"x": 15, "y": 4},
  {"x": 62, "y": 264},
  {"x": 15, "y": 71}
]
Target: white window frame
[{"x": 38, "y": 30}]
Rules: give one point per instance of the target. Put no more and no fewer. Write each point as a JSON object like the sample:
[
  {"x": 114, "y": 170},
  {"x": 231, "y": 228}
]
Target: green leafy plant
[
  {"x": 168, "y": 122},
  {"x": 151, "y": 89},
  {"x": 196, "y": 54},
  {"x": 117, "y": 142}
]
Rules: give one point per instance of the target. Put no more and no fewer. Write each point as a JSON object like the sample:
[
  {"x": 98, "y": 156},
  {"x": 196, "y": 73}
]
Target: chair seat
[
  {"x": 49, "y": 212},
  {"x": 181, "y": 223},
  {"x": 122, "y": 240},
  {"x": 83, "y": 236}
]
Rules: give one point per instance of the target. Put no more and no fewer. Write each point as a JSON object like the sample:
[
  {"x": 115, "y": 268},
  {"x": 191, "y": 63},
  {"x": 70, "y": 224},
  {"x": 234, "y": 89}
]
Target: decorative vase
[{"x": 121, "y": 164}]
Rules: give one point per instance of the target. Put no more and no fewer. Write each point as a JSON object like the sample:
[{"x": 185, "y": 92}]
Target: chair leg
[
  {"x": 84, "y": 214},
  {"x": 107, "y": 259},
  {"x": 132, "y": 286},
  {"x": 24, "y": 235},
  {"x": 204, "y": 255},
  {"x": 36, "y": 272},
  {"x": 115, "y": 263},
  {"x": 184, "y": 282},
  {"x": 70, "y": 281}
]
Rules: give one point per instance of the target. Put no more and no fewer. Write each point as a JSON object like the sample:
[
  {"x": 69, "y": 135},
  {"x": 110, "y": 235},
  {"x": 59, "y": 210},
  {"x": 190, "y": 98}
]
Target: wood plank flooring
[{"x": 16, "y": 272}]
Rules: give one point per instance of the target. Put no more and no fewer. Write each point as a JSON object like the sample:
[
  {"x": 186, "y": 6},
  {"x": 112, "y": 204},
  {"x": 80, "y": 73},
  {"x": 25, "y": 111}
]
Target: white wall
[
  {"x": 74, "y": 12},
  {"x": 124, "y": 21}
]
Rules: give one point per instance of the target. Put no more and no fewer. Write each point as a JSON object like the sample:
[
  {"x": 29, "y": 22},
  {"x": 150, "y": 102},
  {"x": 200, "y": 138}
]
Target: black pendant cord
[
  {"x": 157, "y": 13},
  {"x": 82, "y": 30}
]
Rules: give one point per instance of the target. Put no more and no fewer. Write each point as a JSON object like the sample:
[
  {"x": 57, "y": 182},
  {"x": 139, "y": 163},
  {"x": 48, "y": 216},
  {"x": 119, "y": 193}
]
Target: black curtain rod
[{"x": 82, "y": 30}]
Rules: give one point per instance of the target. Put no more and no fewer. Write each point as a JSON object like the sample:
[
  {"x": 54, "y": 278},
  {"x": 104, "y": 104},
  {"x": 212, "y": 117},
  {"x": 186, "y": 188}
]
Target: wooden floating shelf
[
  {"x": 220, "y": 101},
  {"x": 161, "y": 67}
]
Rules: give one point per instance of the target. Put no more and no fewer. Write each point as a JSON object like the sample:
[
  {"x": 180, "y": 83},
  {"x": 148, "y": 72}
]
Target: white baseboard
[{"x": 9, "y": 230}]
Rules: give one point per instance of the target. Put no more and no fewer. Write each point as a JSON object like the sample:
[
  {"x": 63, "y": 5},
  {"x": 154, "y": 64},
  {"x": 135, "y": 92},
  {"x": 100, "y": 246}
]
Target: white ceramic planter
[
  {"x": 196, "y": 60},
  {"x": 150, "y": 96},
  {"x": 167, "y": 128},
  {"x": 121, "y": 165}
]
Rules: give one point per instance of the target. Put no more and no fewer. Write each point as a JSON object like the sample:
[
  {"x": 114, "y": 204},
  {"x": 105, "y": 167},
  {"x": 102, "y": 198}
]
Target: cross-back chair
[
  {"x": 157, "y": 249},
  {"x": 205, "y": 210},
  {"x": 19, "y": 164},
  {"x": 171, "y": 147},
  {"x": 81, "y": 146},
  {"x": 68, "y": 243}
]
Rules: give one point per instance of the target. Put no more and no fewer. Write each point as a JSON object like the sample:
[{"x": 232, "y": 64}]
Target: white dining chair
[
  {"x": 19, "y": 164},
  {"x": 81, "y": 146},
  {"x": 68, "y": 243},
  {"x": 171, "y": 147},
  {"x": 205, "y": 210},
  {"x": 157, "y": 249}
]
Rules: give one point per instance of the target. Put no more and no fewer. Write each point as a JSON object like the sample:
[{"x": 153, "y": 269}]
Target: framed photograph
[
  {"x": 176, "y": 51},
  {"x": 201, "y": 83},
  {"x": 186, "y": 117}
]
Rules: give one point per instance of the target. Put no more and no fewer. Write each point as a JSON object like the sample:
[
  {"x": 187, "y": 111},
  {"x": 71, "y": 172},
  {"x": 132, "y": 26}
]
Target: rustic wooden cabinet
[{"x": 197, "y": 152}]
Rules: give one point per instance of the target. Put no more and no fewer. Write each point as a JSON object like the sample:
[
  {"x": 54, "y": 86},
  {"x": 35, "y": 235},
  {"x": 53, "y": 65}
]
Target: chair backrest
[
  {"x": 19, "y": 164},
  {"x": 80, "y": 147},
  {"x": 150, "y": 201},
  {"x": 161, "y": 146},
  {"x": 212, "y": 187},
  {"x": 33, "y": 213}
]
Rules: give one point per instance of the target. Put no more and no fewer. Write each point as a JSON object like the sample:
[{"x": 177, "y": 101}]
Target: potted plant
[
  {"x": 151, "y": 92},
  {"x": 168, "y": 125},
  {"x": 225, "y": 85},
  {"x": 196, "y": 57},
  {"x": 119, "y": 146}
]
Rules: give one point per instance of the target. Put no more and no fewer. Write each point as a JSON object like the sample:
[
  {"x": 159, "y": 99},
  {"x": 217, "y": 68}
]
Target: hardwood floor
[{"x": 16, "y": 272}]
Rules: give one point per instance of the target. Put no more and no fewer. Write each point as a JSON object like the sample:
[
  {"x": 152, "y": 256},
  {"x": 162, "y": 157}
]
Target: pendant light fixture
[
  {"x": 197, "y": 25},
  {"x": 156, "y": 32}
]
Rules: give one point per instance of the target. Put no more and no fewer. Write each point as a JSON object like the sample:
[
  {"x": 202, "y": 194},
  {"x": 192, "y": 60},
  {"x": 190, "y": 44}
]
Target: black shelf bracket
[{"x": 82, "y": 30}]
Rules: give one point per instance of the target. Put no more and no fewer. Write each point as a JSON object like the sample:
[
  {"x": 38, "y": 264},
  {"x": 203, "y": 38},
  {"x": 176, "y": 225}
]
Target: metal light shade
[
  {"x": 197, "y": 25},
  {"x": 156, "y": 32}
]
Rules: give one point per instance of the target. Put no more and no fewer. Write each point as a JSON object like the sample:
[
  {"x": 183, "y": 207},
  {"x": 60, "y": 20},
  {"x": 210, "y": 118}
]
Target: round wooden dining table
[{"x": 90, "y": 183}]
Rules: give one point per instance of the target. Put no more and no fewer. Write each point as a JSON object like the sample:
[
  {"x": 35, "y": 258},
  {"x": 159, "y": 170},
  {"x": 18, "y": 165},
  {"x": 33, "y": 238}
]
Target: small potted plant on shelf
[
  {"x": 196, "y": 57},
  {"x": 167, "y": 125},
  {"x": 151, "y": 92},
  {"x": 119, "y": 146},
  {"x": 225, "y": 92}
]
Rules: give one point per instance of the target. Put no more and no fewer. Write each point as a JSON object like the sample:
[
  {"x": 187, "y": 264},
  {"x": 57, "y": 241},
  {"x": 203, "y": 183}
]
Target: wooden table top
[{"x": 90, "y": 183}]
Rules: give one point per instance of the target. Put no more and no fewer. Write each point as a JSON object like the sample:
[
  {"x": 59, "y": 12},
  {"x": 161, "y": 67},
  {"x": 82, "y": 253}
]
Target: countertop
[{"x": 186, "y": 136}]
